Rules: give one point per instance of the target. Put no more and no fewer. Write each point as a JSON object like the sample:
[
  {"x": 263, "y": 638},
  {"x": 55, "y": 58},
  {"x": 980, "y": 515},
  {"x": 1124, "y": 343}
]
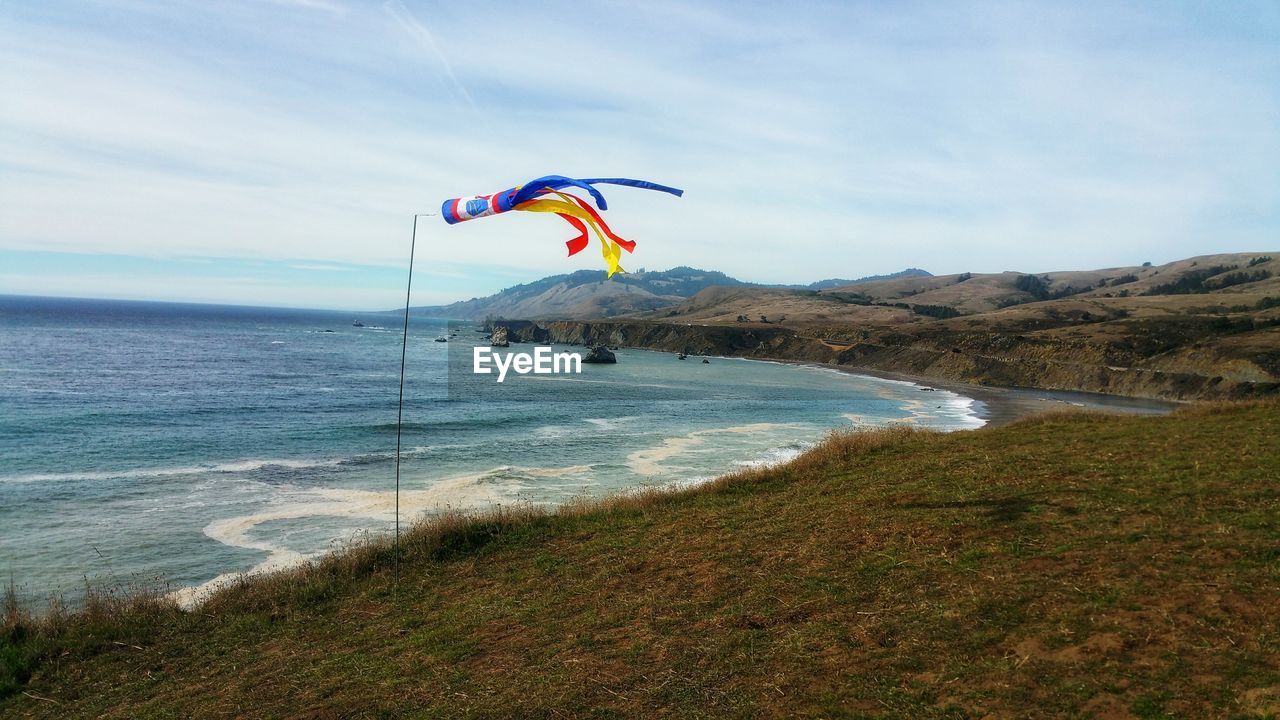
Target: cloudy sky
[{"x": 273, "y": 152}]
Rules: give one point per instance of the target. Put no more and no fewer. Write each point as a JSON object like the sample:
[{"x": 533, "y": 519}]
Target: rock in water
[
  {"x": 600, "y": 354},
  {"x": 499, "y": 338}
]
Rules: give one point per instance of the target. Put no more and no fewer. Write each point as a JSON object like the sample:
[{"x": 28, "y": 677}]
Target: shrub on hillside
[
  {"x": 941, "y": 312},
  {"x": 1033, "y": 286},
  {"x": 1236, "y": 278},
  {"x": 1191, "y": 282}
]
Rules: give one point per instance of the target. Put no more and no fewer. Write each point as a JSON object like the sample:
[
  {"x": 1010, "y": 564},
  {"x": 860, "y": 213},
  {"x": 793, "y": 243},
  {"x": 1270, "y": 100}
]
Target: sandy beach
[{"x": 1003, "y": 405}]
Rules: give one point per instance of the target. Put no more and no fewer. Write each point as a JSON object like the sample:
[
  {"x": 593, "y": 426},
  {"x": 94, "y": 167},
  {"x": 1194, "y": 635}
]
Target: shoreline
[
  {"x": 966, "y": 357},
  {"x": 189, "y": 597},
  {"x": 990, "y": 409},
  {"x": 901, "y": 517},
  {"x": 992, "y": 406},
  {"x": 995, "y": 405},
  {"x": 999, "y": 405}
]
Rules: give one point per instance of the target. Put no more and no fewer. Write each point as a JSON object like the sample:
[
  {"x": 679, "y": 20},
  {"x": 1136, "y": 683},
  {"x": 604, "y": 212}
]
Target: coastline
[
  {"x": 995, "y": 405},
  {"x": 967, "y": 358},
  {"x": 867, "y": 535},
  {"x": 987, "y": 405},
  {"x": 989, "y": 408},
  {"x": 233, "y": 531},
  {"x": 999, "y": 405}
]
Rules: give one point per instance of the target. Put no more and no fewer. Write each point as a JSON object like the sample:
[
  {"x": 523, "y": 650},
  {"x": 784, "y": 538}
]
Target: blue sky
[{"x": 272, "y": 152}]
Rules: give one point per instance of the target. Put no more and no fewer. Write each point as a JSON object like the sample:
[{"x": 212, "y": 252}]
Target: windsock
[{"x": 545, "y": 194}]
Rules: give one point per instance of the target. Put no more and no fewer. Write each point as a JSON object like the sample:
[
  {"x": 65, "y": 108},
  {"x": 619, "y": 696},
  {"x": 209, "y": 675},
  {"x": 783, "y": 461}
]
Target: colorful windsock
[{"x": 545, "y": 194}]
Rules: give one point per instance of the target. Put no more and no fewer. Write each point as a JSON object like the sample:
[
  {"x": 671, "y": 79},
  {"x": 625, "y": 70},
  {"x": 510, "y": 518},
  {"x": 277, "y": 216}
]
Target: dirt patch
[
  {"x": 1108, "y": 707},
  {"x": 1263, "y": 702}
]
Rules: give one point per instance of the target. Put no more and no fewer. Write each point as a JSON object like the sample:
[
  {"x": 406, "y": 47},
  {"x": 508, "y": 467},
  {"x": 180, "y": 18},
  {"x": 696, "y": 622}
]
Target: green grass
[{"x": 1064, "y": 566}]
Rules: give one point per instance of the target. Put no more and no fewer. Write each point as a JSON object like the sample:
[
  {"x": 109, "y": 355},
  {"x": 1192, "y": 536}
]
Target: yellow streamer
[{"x": 611, "y": 251}]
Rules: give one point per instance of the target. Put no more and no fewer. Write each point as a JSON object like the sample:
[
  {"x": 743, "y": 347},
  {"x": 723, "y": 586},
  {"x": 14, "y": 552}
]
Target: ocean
[{"x": 183, "y": 444}]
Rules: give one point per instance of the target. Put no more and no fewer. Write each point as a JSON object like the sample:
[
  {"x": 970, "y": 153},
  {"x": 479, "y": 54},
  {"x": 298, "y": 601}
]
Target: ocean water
[{"x": 184, "y": 444}]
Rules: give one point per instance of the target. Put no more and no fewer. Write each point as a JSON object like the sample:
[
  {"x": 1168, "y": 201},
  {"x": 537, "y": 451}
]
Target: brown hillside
[{"x": 1206, "y": 327}]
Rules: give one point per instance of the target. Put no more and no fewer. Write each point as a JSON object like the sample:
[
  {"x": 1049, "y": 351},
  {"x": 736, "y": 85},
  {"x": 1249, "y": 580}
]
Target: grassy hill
[
  {"x": 588, "y": 294},
  {"x": 1066, "y": 566},
  {"x": 1200, "y": 328},
  {"x": 1235, "y": 280}
]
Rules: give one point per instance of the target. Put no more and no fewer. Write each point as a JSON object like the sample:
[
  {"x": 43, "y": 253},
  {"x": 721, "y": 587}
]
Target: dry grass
[
  {"x": 107, "y": 617},
  {"x": 1220, "y": 407}
]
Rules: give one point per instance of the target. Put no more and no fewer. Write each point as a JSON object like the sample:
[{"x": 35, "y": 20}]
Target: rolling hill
[
  {"x": 1204, "y": 327},
  {"x": 587, "y": 294},
  {"x": 1210, "y": 280}
]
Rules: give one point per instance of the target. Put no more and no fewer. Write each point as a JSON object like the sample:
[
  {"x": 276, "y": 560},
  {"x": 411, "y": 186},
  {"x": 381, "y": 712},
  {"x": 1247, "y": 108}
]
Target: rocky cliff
[{"x": 1204, "y": 366}]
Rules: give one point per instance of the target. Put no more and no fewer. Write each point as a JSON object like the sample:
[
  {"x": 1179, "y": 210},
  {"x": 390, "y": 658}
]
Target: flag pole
[{"x": 404, "y": 349}]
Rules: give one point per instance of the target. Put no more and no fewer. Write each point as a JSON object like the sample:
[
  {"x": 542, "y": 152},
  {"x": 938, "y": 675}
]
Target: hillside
[
  {"x": 1068, "y": 566},
  {"x": 837, "y": 282},
  {"x": 1224, "y": 281},
  {"x": 1200, "y": 328},
  {"x": 588, "y": 294}
]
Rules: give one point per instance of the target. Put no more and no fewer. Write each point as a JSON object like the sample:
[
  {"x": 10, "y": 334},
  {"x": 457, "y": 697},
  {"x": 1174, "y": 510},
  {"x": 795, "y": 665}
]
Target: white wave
[
  {"x": 237, "y": 466},
  {"x": 586, "y": 381},
  {"x": 611, "y": 423},
  {"x": 776, "y": 456},
  {"x": 932, "y": 407},
  {"x": 51, "y": 391},
  {"x": 234, "y": 466},
  {"x": 552, "y": 431},
  {"x": 556, "y": 472},
  {"x": 460, "y": 492},
  {"x": 956, "y": 411},
  {"x": 648, "y": 461},
  {"x": 956, "y": 408}
]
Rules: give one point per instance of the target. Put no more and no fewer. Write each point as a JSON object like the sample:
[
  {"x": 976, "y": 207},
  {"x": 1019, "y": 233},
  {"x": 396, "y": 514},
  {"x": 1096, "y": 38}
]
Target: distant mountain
[
  {"x": 1234, "y": 282},
  {"x": 586, "y": 294},
  {"x": 837, "y": 282}
]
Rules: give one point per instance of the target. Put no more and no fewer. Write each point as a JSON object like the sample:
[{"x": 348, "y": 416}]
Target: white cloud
[{"x": 813, "y": 141}]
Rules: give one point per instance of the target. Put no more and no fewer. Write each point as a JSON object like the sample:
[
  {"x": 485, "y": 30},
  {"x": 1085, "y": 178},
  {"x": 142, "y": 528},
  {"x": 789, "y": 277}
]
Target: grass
[{"x": 1071, "y": 565}]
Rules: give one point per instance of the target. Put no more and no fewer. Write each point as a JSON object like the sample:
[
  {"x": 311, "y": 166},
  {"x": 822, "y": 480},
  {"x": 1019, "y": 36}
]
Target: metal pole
[{"x": 404, "y": 348}]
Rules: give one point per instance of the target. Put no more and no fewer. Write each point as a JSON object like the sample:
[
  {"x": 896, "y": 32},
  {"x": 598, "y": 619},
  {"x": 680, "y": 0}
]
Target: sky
[{"x": 273, "y": 152}]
